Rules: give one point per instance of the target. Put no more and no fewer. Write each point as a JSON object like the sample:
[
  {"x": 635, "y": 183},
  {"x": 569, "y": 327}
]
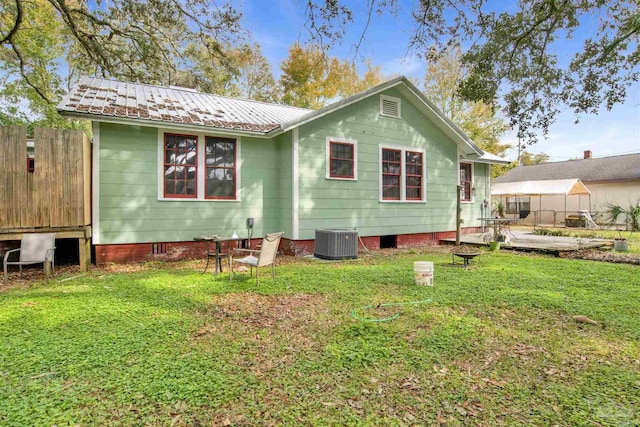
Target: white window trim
[
  {"x": 392, "y": 99},
  {"x": 472, "y": 181},
  {"x": 200, "y": 179},
  {"x": 403, "y": 174},
  {"x": 353, "y": 142}
]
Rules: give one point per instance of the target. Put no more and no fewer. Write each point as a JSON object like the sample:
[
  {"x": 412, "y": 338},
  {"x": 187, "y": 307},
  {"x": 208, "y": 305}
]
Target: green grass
[{"x": 497, "y": 345}]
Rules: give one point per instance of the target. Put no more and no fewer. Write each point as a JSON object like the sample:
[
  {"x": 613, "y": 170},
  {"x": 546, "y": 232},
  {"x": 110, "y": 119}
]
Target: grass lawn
[{"x": 164, "y": 345}]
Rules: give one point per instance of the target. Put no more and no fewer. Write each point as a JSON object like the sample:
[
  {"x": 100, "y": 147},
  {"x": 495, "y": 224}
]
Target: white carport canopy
[{"x": 568, "y": 187}]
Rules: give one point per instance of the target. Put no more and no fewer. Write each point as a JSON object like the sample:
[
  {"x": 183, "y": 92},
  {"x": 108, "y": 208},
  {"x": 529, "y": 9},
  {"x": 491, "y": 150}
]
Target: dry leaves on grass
[
  {"x": 35, "y": 274},
  {"x": 606, "y": 256},
  {"x": 260, "y": 311},
  {"x": 277, "y": 328},
  {"x": 524, "y": 350}
]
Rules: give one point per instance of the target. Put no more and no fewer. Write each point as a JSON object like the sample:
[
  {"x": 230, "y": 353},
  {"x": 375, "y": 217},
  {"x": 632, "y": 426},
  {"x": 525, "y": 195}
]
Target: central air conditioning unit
[{"x": 336, "y": 244}]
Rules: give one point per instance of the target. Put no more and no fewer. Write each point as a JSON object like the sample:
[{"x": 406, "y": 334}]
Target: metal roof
[
  {"x": 614, "y": 168},
  {"x": 100, "y": 97},
  {"x": 108, "y": 100},
  {"x": 569, "y": 187}
]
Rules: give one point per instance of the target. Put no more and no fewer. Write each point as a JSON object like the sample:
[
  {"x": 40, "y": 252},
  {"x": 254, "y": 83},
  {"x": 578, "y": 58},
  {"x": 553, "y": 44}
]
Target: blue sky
[{"x": 277, "y": 24}]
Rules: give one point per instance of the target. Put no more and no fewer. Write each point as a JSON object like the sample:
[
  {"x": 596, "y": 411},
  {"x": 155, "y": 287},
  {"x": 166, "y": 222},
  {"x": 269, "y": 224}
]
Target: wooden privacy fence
[{"x": 56, "y": 193}]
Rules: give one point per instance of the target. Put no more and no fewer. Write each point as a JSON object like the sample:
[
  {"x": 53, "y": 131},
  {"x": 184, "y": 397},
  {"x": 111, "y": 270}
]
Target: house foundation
[{"x": 175, "y": 251}]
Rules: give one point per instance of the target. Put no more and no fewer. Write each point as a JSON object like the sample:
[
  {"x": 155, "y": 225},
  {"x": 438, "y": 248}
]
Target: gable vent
[{"x": 390, "y": 106}]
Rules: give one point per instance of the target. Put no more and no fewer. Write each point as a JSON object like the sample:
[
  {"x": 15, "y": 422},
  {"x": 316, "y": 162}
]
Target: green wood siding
[
  {"x": 326, "y": 203},
  {"x": 129, "y": 209},
  {"x": 130, "y": 212},
  {"x": 284, "y": 145},
  {"x": 481, "y": 182}
]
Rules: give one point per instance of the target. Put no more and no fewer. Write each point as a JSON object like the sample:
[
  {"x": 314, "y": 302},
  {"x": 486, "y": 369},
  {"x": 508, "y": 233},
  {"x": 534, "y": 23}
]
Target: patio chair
[
  {"x": 265, "y": 256},
  {"x": 34, "y": 249}
]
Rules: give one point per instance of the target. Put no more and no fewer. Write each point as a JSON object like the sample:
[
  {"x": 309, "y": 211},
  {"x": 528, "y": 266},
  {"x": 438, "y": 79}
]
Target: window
[
  {"x": 220, "y": 163},
  {"x": 389, "y": 106},
  {"x": 198, "y": 167},
  {"x": 391, "y": 174},
  {"x": 401, "y": 174},
  {"x": 518, "y": 204},
  {"x": 341, "y": 158},
  {"x": 180, "y": 165},
  {"x": 466, "y": 181},
  {"x": 413, "y": 161}
]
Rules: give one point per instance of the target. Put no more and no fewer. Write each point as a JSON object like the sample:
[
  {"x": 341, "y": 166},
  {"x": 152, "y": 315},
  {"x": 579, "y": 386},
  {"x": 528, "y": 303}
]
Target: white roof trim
[
  {"x": 338, "y": 105},
  {"x": 454, "y": 132}
]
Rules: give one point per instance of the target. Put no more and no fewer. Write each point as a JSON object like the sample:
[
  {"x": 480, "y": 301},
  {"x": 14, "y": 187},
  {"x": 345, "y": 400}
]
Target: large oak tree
[
  {"x": 537, "y": 56},
  {"x": 45, "y": 44}
]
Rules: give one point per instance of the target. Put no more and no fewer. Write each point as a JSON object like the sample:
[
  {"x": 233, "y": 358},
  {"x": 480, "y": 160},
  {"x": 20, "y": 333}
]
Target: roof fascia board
[
  {"x": 158, "y": 124},
  {"x": 487, "y": 161},
  {"x": 338, "y": 105},
  {"x": 455, "y": 132},
  {"x": 483, "y": 159}
]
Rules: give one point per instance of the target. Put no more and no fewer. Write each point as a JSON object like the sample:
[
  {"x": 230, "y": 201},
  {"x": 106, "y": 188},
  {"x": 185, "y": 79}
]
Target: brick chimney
[{"x": 587, "y": 154}]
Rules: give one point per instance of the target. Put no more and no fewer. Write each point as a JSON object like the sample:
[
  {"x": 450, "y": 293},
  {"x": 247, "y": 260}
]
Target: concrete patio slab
[{"x": 526, "y": 241}]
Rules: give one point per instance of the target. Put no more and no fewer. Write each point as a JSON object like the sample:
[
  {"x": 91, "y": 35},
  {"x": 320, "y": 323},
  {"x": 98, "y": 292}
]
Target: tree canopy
[
  {"x": 311, "y": 79},
  {"x": 242, "y": 72},
  {"x": 527, "y": 158},
  {"x": 532, "y": 53},
  {"x": 478, "y": 119},
  {"x": 46, "y": 44}
]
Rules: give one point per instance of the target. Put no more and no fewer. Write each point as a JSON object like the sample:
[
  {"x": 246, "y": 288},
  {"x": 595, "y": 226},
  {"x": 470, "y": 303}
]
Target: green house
[{"x": 170, "y": 164}]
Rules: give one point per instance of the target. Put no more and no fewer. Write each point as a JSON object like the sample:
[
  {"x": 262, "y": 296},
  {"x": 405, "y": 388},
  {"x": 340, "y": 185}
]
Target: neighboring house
[
  {"x": 170, "y": 164},
  {"x": 609, "y": 180}
]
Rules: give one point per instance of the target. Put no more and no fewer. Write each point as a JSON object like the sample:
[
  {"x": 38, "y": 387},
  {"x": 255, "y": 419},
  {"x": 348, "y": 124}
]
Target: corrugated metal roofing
[
  {"x": 612, "y": 168},
  {"x": 100, "y": 97},
  {"x": 120, "y": 101}
]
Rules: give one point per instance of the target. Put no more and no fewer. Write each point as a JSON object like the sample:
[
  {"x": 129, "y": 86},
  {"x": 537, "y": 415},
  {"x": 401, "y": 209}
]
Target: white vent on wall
[{"x": 389, "y": 106}]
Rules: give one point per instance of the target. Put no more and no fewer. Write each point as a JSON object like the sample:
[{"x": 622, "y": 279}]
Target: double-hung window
[
  {"x": 198, "y": 167},
  {"x": 466, "y": 182},
  {"x": 402, "y": 174},
  {"x": 342, "y": 159}
]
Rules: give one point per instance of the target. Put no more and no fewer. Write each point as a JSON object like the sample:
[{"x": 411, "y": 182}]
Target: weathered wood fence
[
  {"x": 53, "y": 196},
  {"x": 57, "y": 192}
]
